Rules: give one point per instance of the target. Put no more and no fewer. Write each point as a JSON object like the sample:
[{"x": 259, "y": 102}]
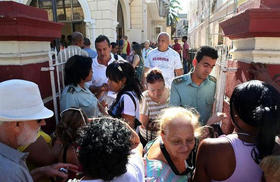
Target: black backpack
[{"x": 117, "y": 107}]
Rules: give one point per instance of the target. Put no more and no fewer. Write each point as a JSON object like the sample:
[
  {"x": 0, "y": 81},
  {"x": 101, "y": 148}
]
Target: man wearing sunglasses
[{"x": 22, "y": 113}]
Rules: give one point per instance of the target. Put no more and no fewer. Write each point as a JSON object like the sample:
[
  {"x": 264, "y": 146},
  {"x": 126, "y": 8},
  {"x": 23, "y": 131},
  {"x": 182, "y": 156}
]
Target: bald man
[
  {"x": 165, "y": 58},
  {"x": 74, "y": 49}
]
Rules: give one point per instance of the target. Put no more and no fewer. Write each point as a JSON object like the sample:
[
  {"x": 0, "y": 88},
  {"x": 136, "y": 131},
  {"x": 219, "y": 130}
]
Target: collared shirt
[
  {"x": 76, "y": 96},
  {"x": 99, "y": 72},
  {"x": 91, "y": 53},
  {"x": 185, "y": 93},
  {"x": 12, "y": 165}
]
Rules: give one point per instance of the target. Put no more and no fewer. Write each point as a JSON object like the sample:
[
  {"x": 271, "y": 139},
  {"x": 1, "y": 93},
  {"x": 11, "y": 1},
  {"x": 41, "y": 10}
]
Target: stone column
[
  {"x": 90, "y": 31},
  {"x": 255, "y": 33},
  {"x": 25, "y": 40}
]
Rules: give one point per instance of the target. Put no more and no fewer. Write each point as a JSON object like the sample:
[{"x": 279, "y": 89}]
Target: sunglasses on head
[{"x": 74, "y": 109}]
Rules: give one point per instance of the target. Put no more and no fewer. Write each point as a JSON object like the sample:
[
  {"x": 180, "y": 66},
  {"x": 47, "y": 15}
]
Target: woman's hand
[
  {"x": 219, "y": 116},
  {"x": 102, "y": 107},
  {"x": 53, "y": 171}
]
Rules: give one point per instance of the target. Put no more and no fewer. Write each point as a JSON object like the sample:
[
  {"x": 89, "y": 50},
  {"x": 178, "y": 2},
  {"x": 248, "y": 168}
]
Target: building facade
[
  {"x": 138, "y": 19},
  {"x": 204, "y": 17}
]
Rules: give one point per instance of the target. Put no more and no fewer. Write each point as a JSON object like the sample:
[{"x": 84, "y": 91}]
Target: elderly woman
[
  {"x": 154, "y": 100},
  {"x": 78, "y": 71},
  {"x": 255, "y": 112},
  {"x": 171, "y": 156},
  {"x": 106, "y": 152}
]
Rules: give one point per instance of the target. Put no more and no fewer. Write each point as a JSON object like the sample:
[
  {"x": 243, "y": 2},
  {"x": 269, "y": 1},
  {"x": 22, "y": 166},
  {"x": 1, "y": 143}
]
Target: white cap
[{"x": 20, "y": 100}]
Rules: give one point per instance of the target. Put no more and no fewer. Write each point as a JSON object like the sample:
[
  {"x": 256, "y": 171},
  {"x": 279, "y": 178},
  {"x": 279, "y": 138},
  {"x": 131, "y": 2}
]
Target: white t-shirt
[
  {"x": 129, "y": 106},
  {"x": 135, "y": 170},
  {"x": 167, "y": 62}
]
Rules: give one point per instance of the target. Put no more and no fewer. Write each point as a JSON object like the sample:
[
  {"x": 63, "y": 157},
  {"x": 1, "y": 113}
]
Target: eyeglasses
[{"x": 74, "y": 109}]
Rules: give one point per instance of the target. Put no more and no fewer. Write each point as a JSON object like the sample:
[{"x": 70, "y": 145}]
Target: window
[{"x": 69, "y": 12}]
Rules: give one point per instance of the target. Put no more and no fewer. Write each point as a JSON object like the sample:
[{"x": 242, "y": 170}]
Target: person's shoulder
[
  {"x": 129, "y": 95},
  {"x": 13, "y": 170},
  {"x": 212, "y": 79},
  {"x": 70, "y": 89},
  {"x": 153, "y": 51},
  {"x": 181, "y": 79},
  {"x": 120, "y": 58},
  {"x": 214, "y": 146},
  {"x": 95, "y": 63},
  {"x": 173, "y": 53}
]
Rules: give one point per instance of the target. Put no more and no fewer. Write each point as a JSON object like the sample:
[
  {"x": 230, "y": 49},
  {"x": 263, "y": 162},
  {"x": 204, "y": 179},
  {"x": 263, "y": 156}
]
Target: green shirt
[{"x": 185, "y": 93}]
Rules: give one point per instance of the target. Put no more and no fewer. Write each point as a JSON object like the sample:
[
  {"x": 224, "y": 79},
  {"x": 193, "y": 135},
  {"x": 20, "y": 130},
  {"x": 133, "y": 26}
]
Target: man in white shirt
[
  {"x": 99, "y": 64},
  {"x": 165, "y": 58}
]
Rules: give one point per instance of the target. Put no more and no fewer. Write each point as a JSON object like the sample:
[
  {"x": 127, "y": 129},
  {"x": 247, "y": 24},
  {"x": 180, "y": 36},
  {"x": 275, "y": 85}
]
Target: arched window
[
  {"x": 69, "y": 12},
  {"x": 120, "y": 27}
]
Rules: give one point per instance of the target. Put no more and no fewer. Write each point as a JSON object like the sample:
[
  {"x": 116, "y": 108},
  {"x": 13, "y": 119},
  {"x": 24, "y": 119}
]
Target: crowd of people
[{"x": 132, "y": 113}]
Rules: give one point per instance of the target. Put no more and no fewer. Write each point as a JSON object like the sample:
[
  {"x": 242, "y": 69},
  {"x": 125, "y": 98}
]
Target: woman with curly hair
[
  {"x": 78, "y": 71},
  {"x": 123, "y": 81},
  {"x": 105, "y": 152},
  {"x": 66, "y": 134},
  {"x": 255, "y": 113}
]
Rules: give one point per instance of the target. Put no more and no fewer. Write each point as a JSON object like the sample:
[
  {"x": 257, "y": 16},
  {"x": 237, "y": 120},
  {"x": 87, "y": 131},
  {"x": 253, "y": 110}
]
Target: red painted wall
[{"x": 24, "y": 23}]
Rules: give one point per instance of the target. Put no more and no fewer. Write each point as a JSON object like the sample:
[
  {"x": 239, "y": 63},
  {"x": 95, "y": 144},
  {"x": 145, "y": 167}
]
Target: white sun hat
[{"x": 20, "y": 100}]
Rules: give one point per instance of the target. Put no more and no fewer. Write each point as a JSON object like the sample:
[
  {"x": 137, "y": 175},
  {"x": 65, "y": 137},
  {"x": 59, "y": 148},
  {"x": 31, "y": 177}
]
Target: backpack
[{"x": 116, "y": 109}]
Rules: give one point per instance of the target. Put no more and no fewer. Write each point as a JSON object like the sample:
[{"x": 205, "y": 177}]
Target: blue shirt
[
  {"x": 91, "y": 53},
  {"x": 185, "y": 93},
  {"x": 76, "y": 96},
  {"x": 12, "y": 165}
]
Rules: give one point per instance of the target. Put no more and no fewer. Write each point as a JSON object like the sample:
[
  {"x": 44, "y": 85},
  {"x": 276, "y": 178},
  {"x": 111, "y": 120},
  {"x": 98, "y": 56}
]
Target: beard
[{"x": 27, "y": 136}]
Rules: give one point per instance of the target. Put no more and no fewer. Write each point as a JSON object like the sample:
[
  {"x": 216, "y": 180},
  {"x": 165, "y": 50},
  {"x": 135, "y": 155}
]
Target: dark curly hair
[
  {"x": 258, "y": 105},
  {"x": 118, "y": 70},
  {"x": 77, "y": 68},
  {"x": 71, "y": 121},
  {"x": 104, "y": 146}
]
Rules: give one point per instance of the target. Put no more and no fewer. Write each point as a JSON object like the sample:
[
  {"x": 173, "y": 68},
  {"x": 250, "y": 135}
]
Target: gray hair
[
  {"x": 163, "y": 34},
  {"x": 77, "y": 37}
]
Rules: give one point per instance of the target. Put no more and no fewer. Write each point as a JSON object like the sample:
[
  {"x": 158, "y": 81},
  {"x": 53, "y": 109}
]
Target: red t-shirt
[{"x": 177, "y": 47}]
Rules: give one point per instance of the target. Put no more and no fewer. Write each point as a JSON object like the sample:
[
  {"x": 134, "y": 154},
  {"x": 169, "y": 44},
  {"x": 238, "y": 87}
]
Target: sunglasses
[{"x": 74, "y": 109}]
